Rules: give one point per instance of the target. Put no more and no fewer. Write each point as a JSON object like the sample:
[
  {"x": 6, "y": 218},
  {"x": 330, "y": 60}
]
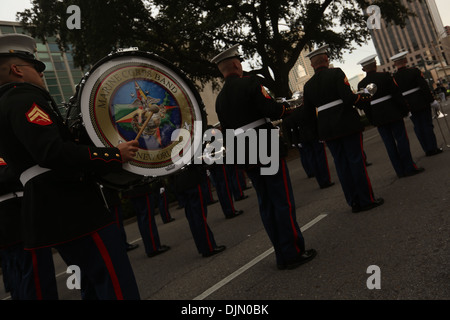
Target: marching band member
[
  {"x": 62, "y": 205},
  {"x": 419, "y": 97},
  {"x": 329, "y": 102},
  {"x": 246, "y": 97},
  {"x": 386, "y": 111}
]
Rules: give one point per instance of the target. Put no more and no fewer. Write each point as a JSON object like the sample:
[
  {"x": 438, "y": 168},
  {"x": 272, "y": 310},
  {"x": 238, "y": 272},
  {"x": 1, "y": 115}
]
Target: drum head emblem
[{"x": 129, "y": 95}]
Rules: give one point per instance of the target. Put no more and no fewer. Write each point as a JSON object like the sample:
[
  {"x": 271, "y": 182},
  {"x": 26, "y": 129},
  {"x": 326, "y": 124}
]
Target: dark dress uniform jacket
[
  {"x": 244, "y": 100},
  {"x": 9, "y": 209},
  {"x": 327, "y": 86},
  {"x": 409, "y": 79},
  {"x": 387, "y": 111},
  {"x": 301, "y": 126},
  {"x": 64, "y": 203}
]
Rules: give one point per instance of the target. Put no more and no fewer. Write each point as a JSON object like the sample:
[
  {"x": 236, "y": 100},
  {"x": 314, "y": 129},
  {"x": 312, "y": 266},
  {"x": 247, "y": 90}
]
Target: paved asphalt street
[{"x": 407, "y": 239}]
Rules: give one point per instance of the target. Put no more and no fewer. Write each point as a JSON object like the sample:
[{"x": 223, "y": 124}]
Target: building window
[{"x": 7, "y": 29}]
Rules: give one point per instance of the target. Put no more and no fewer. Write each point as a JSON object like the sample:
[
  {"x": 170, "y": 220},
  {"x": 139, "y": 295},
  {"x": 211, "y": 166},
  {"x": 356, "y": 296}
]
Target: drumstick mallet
[{"x": 143, "y": 126}]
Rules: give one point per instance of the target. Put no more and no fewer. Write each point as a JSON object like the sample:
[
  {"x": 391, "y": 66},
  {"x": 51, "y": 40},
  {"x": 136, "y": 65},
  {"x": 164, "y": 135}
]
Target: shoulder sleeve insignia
[
  {"x": 38, "y": 116},
  {"x": 264, "y": 92},
  {"x": 2, "y": 162},
  {"x": 346, "y": 81}
]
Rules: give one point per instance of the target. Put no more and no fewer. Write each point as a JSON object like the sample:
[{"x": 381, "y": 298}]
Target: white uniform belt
[
  {"x": 251, "y": 125},
  {"x": 32, "y": 172},
  {"x": 410, "y": 91},
  {"x": 11, "y": 195},
  {"x": 330, "y": 105},
  {"x": 380, "y": 100}
]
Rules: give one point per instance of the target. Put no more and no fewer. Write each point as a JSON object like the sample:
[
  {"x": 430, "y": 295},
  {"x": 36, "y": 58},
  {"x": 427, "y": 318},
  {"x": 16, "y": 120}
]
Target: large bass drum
[{"x": 117, "y": 96}]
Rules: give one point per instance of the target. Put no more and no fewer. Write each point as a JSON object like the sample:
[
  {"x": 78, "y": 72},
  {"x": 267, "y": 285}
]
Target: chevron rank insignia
[
  {"x": 2, "y": 162},
  {"x": 38, "y": 116}
]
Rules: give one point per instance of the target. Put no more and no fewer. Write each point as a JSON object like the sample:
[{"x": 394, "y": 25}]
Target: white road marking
[{"x": 244, "y": 268}]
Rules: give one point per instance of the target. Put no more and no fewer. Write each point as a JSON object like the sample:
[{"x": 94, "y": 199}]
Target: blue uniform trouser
[
  {"x": 12, "y": 268},
  {"x": 351, "y": 169},
  {"x": 207, "y": 190},
  {"x": 38, "y": 271},
  {"x": 236, "y": 187},
  {"x": 424, "y": 129},
  {"x": 277, "y": 210},
  {"x": 163, "y": 205},
  {"x": 196, "y": 211},
  {"x": 101, "y": 258},
  {"x": 223, "y": 188},
  {"x": 316, "y": 156},
  {"x": 144, "y": 208},
  {"x": 304, "y": 159},
  {"x": 396, "y": 141},
  {"x": 117, "y": 213}
]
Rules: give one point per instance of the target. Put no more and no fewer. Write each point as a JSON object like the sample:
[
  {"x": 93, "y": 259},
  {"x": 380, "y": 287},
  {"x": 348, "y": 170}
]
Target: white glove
[{"x": 161, "y": 190}]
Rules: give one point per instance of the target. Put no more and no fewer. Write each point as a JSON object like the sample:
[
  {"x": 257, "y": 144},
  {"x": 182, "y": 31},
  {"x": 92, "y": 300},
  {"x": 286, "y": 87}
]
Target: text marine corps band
[{"x": 137, "y": 119}]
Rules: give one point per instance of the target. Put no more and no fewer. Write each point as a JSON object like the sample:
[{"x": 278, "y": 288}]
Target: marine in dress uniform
[
  {"x": 244, "y": 104},
  {"x": 56, "y": 173},
  {"x": 386, "y": 111},
  {"x": 236, "y": 184},
  {"x": 188, "y": 186},
  {"x": 329, "y": 102},
  {"x": 114, "y": 202},
  {"x": 419, "y": 97},
  {"x": 222, "y": 181},
  {"x": 161, "y": 196},
  {"x": 208, "y": 189},
  {"x": 314, "y": 152},
  {"x": 143, "y": 202}
]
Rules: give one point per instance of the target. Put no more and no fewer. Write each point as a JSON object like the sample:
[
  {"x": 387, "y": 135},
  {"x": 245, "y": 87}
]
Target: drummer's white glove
[
  {"x": 161, "y": 190},
  {"x": 435, "y": 105}
]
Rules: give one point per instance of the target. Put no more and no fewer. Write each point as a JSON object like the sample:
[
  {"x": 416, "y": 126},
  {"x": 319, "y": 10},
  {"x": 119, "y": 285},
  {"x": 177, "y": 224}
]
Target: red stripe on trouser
[
  {"x": 238, "y": 183},
  {"x": 286, "y": 189},
  {"x": 209, "y": 189},
  {"x": 116, "y": 213},
  {"x": 37, "y": 282},
  {"x": 326, "y": 161},
  {"x": 147, "y": 198},
  {"x": 204, "y": 218},
  {"x": 228, "y": 188},
  {"x": 365, "y": 169},
  {"x": 109, "y": 265}
]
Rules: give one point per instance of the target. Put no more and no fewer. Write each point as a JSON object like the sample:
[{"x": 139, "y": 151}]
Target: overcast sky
[{"x": 8, "y": 9}]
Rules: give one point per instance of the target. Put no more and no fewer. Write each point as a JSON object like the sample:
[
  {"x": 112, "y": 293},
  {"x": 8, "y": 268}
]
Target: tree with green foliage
[{"x": 272, "y": 33}]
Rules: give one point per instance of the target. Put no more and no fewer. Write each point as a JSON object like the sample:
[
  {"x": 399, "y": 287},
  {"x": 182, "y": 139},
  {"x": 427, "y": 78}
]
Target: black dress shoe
[
  {"x": 414, "y": 172},
  {"x": 307, "y": 256},
  {"x": 171, "y": 219},
  {"x": 130, "y": 246},
  {"x": 160, "y": 250},
  {"x": 242, "y": 198},
  {"x": 377, "y": 202},
  {"x": 236, "y": 213},
  {"x": 216, "y": 250},
  {"x": 434, "y": 152},
  {"x": 356, "y": 207},
  {"x": 329, "y": 184}
]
